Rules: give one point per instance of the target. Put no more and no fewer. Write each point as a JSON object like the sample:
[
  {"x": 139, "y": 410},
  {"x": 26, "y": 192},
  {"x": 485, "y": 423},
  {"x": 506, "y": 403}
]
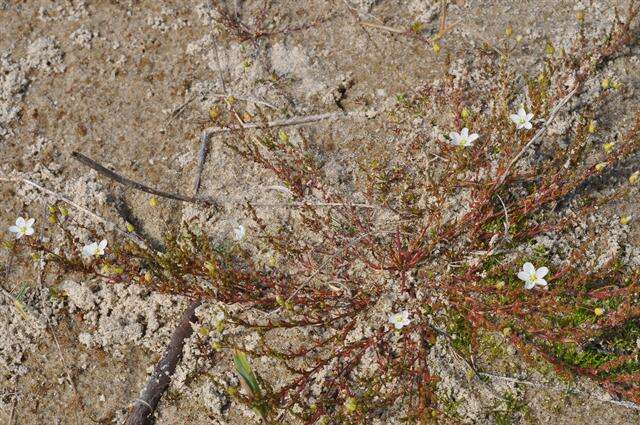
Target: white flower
[
  {"x": 463, "y": 138},
  {"x": 23, "y": 227},
  {"x": 400, "y": 320},
  {"x": 522, "y": 119},
  {"x": 531, "y": 276},
  {"x": 94, "y": 249},
  {"x": 239, "y": 232}
]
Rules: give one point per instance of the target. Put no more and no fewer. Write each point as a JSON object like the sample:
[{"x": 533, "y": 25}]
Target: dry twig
[
  {"x": 284, "y": 122},
  {"x": 134, "y": 184},
  {"x": 143, "y": 407}
]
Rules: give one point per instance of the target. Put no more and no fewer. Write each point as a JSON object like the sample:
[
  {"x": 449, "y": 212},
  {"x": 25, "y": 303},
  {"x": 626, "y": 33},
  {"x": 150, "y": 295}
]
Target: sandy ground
[{"x": 131, "y": 85}]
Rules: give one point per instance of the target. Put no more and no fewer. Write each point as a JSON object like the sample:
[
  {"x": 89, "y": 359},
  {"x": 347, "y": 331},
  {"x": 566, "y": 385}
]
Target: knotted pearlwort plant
[{"x": 367, "y": 278}]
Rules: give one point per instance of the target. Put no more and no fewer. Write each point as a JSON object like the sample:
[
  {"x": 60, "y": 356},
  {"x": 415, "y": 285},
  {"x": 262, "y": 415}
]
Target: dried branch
[
  {"x": 143, "y": 408},
  {"x": 134, "y": 184},
  {"x": 284, "y": 122},
  {"x": 202, "y": 157}
]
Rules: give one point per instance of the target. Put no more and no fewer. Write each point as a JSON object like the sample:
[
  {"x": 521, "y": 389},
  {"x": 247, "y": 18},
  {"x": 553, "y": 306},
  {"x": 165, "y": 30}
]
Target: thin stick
[
  {"x": 538, "y": 134},
  {"x": 223, "y": 86},
  {"x": 13, "y": 411},
  {"x": 179, "y": 109},
  {"x": 244, "y": 99},
  {"x": 624, "y": 403},
  {"x": 506, "y": 218},
  {"x": 284, "y": 122},
  {"x": 202, "y": 157},
  {"x": 68, "y": 201},
  {"x": 143, "y": 407},
  {"x": 383, "y": 27},
  {"x": 131, "y": 183},
  {"x": 311, "y": 204}
]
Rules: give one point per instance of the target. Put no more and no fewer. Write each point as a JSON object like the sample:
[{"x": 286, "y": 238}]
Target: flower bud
[
  {"x": 214, "y": 113},
  {"x": 351, "y": 405},
  {"x": 549, "y": 49}
]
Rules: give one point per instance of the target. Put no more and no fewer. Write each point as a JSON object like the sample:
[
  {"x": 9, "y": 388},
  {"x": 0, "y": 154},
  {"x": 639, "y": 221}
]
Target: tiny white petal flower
[
  {"x": 239, "y": 232},
  {"x": 522, "y": 119},
  {"x": 400, "y": 320},
  {"x": 533, "y": 277},
  {"x": 90, "y": 249},
  {"x": 463, "y": 138},
  {"x": 23, "y": 227},
  {"x": 542, "y": 272}
]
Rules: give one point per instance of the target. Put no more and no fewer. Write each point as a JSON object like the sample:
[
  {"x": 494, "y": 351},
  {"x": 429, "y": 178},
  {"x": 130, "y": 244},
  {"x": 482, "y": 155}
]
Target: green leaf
[{"x": 244, "y": 370}]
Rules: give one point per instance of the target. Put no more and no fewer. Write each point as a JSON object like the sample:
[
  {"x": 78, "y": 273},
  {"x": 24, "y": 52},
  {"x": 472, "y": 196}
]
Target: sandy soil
[{"x": 131, "y": 84}]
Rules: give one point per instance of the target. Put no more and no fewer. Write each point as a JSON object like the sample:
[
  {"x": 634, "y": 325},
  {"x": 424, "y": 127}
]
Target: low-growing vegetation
[{"x": 433, "y": 235}]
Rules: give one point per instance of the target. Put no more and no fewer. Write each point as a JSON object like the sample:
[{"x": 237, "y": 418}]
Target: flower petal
[
  {"x": 524, "y": 276},
  {"x": 29, "y": 231},
  {"x": 529, "y": 117},
  {"x": 465, "y": 132},
  {"x": 528, "y": 268},
  {"x": 527, "y": 125},
  {"x": 90, "y": 250},
  {"x": 14, "y": 229},
  {"x": 473, "y": 137},
  {"x": 542, "y": 272},
  {"x": 529, "y": 285},
  {"x": 541, "y": 282},
  {"x": 20, "y": 222},
  {"x": 30, "y": 222},
  {"x": 453, "y": 135},
  {"x": 103, "y": 244},
  {"x": 515, "y": 118}
]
